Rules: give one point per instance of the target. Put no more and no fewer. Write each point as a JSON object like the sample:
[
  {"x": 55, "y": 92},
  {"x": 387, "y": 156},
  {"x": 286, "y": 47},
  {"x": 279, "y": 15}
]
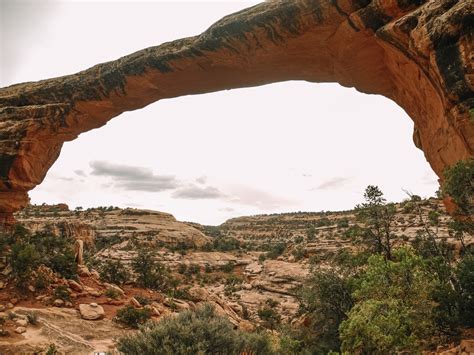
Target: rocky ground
[{"x": 239, "y": 266}]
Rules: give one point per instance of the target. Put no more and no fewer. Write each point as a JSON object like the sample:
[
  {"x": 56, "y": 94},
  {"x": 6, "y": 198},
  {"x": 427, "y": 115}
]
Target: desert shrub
[
  {"x": 324, "y": 222},
  {"x": 269, "y": 316},
  {"x": 276, "y": 250},
  {"x": 182, "y": 268},
  {"x": 52, "y": 349},
  {"x": 233, "y": 280},
  {"x": 228, "y": 267},
  {"x": 64, "y": 264},
  {"x": 311, "y": 233},
  {"x": 133, "y": 317},
  {"x": 61, "y": 292},
  {"x": 113, "y": 271},
  {"x": 394, "y": 309},
  {"x": 150, "y": 273},
  {"x": 465, "y": 276},
  {"x": 298, "y": 253},
  {"x": 343, "y": 223},
  {"x": 194, "y": 269},
  {"x": 326, "y": 300},
  {"x": 23, "y": 260},
  {"x": 32, "y": 318},
  {"x": 143, "y": 300},
  {"x": 112, "y": 293},
  {"x": 354, "y": 232},
  {"x": 222, "y": 244},
  {"x": 29, "y": 251},
  {"x": 194, "y": 332}
]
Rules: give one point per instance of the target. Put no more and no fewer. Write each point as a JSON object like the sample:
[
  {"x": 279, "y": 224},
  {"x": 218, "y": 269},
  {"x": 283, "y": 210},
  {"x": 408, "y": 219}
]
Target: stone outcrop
[
  {"x": 91, "y": 311},
  {"x": 418, "y": 53},
  {"x": 95, "y": 225}
]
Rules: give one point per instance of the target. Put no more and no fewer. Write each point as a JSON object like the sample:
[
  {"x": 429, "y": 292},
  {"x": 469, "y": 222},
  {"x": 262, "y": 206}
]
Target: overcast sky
[{"x": 277, "y": 148}]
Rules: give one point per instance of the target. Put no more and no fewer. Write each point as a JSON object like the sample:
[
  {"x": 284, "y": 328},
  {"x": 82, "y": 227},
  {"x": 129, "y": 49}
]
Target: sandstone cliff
[{"x": 415, "y": 52}]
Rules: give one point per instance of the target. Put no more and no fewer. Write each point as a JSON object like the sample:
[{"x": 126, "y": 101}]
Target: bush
[
  {"x": 112, "y": 293},
  {"x": 62, "y": 293},
  {"x": 229, "y": 267},
  {"x": 269, "y": 315},
  {"x": 326, "y": 300},
  {"x": 465, "y": 275},
  {"x": 150, "y": 273},
  {"x": 394, "y": 309},
  {"x": 24, "y": 259},
  {"x": 194, "y": 332},
  {"x": 29, "y": 251},
  {"x": 276, "y": 250},
  {"x": 114, "y": 271},
  {"x": 142, "y": 300},
  {"x": 133, "y": 317},
  {"x": 32, "y": 318}
]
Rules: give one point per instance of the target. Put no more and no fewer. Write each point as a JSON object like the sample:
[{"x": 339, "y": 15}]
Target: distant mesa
[{"x": 417, "y": 53}]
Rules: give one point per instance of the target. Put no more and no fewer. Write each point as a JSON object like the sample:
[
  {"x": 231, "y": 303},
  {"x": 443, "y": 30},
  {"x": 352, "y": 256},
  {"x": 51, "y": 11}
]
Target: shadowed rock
[{"x": 415, "y": 52}]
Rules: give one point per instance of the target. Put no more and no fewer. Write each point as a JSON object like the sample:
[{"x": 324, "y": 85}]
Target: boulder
[
  {"x": 20, "y": 330},
  {"x": 91, "y": 311},
  {"x": 58, "y": 302},
  {"x": 75, "y": 286},
  {"x": 21, "y": 322}
]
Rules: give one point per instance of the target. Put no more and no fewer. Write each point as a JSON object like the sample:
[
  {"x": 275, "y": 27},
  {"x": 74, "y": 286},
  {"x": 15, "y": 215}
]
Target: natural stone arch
[{"x": 415, "y": 52}]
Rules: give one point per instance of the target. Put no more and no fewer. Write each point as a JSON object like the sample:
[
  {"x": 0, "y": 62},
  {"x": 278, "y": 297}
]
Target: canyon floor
[{"x": 239, "y": 267}]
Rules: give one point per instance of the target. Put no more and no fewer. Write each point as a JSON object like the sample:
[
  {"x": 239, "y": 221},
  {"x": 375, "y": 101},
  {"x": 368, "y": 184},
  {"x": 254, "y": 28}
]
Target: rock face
[
  {"x": 96, "y": 225},
  {"x": 418, "y": 53}
]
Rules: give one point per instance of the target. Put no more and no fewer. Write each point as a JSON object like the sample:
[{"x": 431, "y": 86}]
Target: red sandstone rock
[{"x": 420, "y": 56}]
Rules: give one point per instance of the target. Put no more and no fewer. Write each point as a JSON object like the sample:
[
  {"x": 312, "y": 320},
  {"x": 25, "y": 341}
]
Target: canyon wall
[{"x": 418, "y": 53}]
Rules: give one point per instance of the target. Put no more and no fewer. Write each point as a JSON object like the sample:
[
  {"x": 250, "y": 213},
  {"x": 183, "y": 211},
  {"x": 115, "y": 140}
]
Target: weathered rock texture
[{"x": 415, "y": 52}]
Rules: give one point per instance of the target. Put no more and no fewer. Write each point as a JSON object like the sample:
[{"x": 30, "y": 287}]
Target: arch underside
[{"x": 417, "y": 53}]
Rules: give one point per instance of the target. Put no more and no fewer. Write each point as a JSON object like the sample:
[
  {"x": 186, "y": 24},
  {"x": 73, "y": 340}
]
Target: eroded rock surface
[
  {"x": 96, "y": 225},
  {"x": 415, "y": 52}
]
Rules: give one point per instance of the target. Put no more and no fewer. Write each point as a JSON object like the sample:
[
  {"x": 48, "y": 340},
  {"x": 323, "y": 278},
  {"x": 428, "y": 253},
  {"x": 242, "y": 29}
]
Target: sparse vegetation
[
  {"x": 133, "y": 317},
  {"x": 113, "y": 271},
  {"x": 194, "y": 332}
]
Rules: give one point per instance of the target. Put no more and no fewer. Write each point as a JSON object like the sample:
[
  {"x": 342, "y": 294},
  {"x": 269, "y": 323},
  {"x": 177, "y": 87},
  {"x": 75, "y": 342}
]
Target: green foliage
[
  {"x": 393, "y": 310},
  {"x": 194, "y": 332},
  {"x": 143, "y": 300},
  {"x": 276, "y": 250},
  {"x": 229, "y": 267},
  {"x": 24, "y": 259},
  {"x": 325, "y": 299},
  {"x": 32, "y": 318},
  {"x": 343, "y": 223},
  {"x": 465, "y": 275},
  {"x": 29, "y": 251},
  {"x": 379, "y": 327},
  {"x": 377, "y": 216},
  {"x": 222, "y": 244},
  {"x": 298, "y": 253},
  {"x": 52, "y": 349},
  {"x": 150, "y": 273},
  {"x": 269, "y": 315},
  {"x": 133, "y": 317},
  {"x": 113, "y": 271},
  {"x": 459, "y": 184},
  {"x": 61, "y": 292},
  {"x": 112, "y": 293},
  {"x": 64, "y": 264}
]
